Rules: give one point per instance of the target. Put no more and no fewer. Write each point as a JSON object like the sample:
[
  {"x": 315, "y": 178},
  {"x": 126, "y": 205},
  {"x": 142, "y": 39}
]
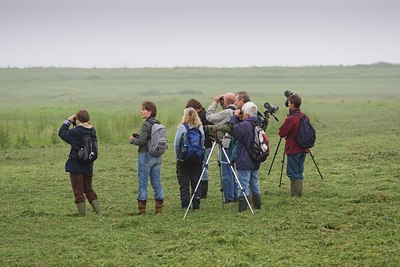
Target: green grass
[{"x": 350, "y": 217}]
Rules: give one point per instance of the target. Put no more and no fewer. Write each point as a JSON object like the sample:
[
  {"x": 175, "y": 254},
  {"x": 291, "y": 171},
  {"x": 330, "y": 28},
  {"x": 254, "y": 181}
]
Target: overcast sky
[{"x": 218, "y": 33}]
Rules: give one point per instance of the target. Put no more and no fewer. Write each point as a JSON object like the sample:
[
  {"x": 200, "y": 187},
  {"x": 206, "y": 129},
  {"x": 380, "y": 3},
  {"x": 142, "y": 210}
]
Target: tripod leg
[
  {"x": 283, "y": 163},
  {"x": 273, "y": 159},
  {"x": 237, "y": 180},
  {"x": 316, "y": 165},
  {"x": 220, "y": 177},
  {"x": 198, "y": 183}
]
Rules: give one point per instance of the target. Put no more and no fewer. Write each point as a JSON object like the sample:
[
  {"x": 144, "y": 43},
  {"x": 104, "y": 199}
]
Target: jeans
[
  {"x": 249, "y": 180},
  {"x": 205, "y": 174},
  {"x": 149, "y": 165},
  {"x": 229, "y": 186},
  {"x": 295, "y": 165}
]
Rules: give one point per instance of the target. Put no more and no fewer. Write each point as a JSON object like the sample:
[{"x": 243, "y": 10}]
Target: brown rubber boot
[
  {"x": 142, "y": 207},
  {"x": 159, "y": 205}
]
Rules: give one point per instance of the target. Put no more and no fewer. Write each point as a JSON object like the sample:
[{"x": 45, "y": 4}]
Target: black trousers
[{"x": 188, "y": 174}]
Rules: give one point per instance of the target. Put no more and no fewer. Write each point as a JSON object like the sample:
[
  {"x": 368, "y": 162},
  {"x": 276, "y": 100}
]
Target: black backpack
[
  {"x": 89, "y": 149},
  {"x": 306, "y": 135}
]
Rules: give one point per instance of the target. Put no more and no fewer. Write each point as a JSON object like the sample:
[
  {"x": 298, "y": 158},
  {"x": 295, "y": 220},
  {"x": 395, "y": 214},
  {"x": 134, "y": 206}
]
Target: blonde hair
[{"x": 191, "y": 117}]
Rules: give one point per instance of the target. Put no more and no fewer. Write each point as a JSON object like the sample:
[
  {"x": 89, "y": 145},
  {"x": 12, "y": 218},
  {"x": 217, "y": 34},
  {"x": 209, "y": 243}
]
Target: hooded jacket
[{"x": 74, "y": 137}]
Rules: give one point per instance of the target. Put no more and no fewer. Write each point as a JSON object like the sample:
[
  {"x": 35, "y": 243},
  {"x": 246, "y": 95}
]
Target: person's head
[
  {"x": 294, "y": 101},
  {"x": 193, "y": 103},
  {"x": 82, "y": 116},
  {"x": 249, "y": 109},
  {"x": 229, "y": 99},
  {"x": 148, "y": 109},
  {"x": 190, "y": 117},
  {"x": 241, "y": 98}
]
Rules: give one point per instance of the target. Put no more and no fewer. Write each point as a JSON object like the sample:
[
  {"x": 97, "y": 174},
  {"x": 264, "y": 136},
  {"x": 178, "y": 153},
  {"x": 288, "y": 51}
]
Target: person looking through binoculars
[
  {"x": 229, "y": 187},
  {"x": 247, "y": 169},
  {"x": 296, "y": 154}
]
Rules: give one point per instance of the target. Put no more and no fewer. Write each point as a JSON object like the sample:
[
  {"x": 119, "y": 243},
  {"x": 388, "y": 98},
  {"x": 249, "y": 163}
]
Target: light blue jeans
[
  {"x": 206, "y": 154},
  {"x": 249, "y": 181},
  {"x": 295, "y": 165},
  {"x": 229, "y": 186},
  {"x": 149, "y": 166}
]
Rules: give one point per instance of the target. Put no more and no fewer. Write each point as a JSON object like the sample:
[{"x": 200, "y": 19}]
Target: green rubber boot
[
  {"x": 96, "y": 206},
  {"x": 81, "y": 209}
]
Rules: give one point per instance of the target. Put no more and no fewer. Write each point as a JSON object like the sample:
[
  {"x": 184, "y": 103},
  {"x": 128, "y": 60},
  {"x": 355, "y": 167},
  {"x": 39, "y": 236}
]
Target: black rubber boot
[
  {"x": 204, "y": 188},
  {"x": 257, "y": 201},
  {"x": 242, "y": 204}
]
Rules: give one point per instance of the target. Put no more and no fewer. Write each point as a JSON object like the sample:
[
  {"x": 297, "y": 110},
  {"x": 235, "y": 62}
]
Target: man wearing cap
[{"x": 247, "y": 169}]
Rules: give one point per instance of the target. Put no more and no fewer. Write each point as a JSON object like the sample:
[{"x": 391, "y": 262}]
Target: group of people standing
[{"x": 238, "y": 111}]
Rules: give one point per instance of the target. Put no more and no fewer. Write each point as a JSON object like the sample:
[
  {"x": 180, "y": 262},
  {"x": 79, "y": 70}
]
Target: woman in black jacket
[{"x": 80, "y": 173}]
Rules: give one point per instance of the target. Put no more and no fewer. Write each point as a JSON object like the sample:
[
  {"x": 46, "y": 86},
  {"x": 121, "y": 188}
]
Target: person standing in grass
[
  {"x": 229, "y": 186},
  {"x": 247, "y": 169},
  {"x": 207, "y": 143},
  {"x": 296, "y": 154},
  {"x": 189, "y": 168},
  {"x": 148, "y": 165},
  {"x": 81, "y": 174}
]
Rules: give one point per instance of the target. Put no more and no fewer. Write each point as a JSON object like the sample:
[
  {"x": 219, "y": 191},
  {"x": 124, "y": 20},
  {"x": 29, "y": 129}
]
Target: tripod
[
  {"x": 283, "y": 162},
  {"x": 219, "y": 142}
]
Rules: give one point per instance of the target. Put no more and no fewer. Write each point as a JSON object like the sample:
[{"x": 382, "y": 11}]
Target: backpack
[
  {"x": 190, "y": 145},
  {"x": 157, "y": 144},
  {"x": 89, "y": 149},
  {"x": 259, "y": 149},
  {"x": 306, "y": 135},
  {"x": 233, "y": 148}
]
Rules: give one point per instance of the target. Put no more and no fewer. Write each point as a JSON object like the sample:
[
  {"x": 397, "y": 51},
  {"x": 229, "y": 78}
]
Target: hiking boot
[
  {"x": 159, "y": 205},
  {"x": 142, "y": 207}
]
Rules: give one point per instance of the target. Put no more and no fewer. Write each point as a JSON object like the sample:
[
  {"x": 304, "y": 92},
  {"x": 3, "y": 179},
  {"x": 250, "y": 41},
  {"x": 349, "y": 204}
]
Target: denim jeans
[
  {"x": 249, "y": 181},
  {"x": 229, "y": 186},
  {"x": 295, "y": 165},
  {"x": 149, "y": 166},
  {"x": 206, "y": 154}
]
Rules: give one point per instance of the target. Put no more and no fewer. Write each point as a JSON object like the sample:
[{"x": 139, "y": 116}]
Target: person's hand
[
  {"x": 237, "y": 112},
  {"x": 217, "y": 99},
  {"x": 72, "y": 118}
]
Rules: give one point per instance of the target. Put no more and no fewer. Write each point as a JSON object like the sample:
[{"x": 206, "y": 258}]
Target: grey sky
[{"x": 168, "y": 33}]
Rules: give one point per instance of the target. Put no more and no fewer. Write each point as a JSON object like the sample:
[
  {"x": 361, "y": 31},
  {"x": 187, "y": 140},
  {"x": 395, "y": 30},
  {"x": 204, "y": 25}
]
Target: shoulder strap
[{"x": 186, "y": 126}]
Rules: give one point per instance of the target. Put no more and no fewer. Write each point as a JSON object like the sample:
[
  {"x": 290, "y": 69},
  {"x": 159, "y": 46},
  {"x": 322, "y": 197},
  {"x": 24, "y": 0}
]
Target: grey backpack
[{"x": 158, "y": 144}]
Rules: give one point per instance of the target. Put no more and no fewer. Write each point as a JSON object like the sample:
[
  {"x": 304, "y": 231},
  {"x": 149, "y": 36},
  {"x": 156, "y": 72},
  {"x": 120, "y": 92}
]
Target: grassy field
[{"x": 351, "y": 217}]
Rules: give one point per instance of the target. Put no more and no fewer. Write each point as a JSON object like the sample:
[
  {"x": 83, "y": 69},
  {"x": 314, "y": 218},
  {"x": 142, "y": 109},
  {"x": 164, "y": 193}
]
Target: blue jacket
[
  {"x": 243, "y": 131},
  {"x": 74, "y": 137}
]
